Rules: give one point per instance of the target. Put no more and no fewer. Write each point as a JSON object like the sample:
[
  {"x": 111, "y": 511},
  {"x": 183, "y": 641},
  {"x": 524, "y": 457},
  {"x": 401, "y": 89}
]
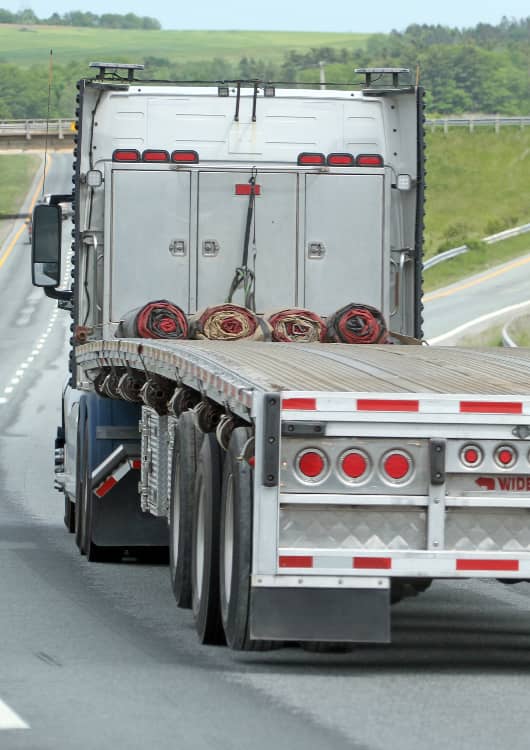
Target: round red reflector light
[
  {"x": 354, "y": 465},
  {"x": 311, "y": 464},
  {"x": 505, "y": 456},
  {"x": 471, "y": 455},
  {"x": 397, "y": 465}
]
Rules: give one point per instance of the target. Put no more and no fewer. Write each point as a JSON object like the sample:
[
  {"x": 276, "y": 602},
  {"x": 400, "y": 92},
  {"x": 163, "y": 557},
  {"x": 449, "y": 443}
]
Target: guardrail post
[
  {"x": 497, "y": 124},
  {"x": 28, "y": 134},
  {"x": 446, "y": 126},
  {"x": 471, "y": 125},
  {"x": 60, "y": 132}
]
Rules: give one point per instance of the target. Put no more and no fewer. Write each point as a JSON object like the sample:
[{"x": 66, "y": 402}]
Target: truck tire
[
  {"x": 235, "y": 559},
  {"x": 69, "y": 514},
  {"x": 185, "y": 452},
  {"x": 205, "y": 544},
  {"x": 81, "y": 460}
]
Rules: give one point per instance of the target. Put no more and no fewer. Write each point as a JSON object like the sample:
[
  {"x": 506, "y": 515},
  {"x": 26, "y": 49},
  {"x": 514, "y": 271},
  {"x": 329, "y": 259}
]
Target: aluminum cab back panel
[
  {"x": 150, "y": 211},
  {"x": 222, "y": 218},
  {"x": 345, "y": 214}
]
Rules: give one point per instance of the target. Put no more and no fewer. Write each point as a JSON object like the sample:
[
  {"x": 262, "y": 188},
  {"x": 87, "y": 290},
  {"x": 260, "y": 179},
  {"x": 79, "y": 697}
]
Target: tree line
[
  {"x": 478, "y": 70},
  {"x": 27, "y": 17}
]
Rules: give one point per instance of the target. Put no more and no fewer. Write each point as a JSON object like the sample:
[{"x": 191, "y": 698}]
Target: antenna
[{"x": 50, "y": 78}]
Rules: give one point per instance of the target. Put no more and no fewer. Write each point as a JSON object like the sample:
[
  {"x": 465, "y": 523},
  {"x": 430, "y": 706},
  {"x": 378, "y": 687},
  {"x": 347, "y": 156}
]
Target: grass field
[
  {"x": 23, "y": 45},
  {"x": 477, "y": 184},
  {"x": 17, "y": 170},
  {"x": 519, "y": 330}
]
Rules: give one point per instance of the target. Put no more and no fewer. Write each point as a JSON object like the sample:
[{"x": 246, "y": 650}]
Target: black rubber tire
[
  {"x": 69, "y": 514},
  {"x": 205, "y": 544},
  {"x": 327, "y": 647},
  {"x": 82, "y": 461},
  {"x": 186, "y": 448},
  {"x": 236, "y": 548}
]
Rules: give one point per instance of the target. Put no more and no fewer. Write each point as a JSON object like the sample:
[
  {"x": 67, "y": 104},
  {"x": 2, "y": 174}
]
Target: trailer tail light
[
  {"x": 354, "y": 464},
  {"x": 505, "y": 456},
  {"x": 311, "y": 465},
  {"x": 126, "y": 154},
  {"x": 154, "y": 154},
  {"x": 370, "y": 160},
  {"x": 471, "y": 455},
  {"x": 341, "y": 160},
  {"x": 185, "y": 157},
  {"x": 397, "y": 466},
  {"x": 307, "y": 159}
]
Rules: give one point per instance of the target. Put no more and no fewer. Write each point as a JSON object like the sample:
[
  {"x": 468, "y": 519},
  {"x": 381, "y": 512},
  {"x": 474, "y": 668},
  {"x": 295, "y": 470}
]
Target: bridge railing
[{"x": 28, "y": 128}]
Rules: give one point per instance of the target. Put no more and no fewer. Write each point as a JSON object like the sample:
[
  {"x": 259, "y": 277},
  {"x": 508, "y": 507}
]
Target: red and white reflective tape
[
  {"x": 443, "y": 564},
  {"x": 422, "y": 405},
  {"x": 112, "y": 480}
]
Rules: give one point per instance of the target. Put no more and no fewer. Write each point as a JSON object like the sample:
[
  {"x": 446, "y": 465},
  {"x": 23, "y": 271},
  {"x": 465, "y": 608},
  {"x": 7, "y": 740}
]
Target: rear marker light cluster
[
  {"x": 505, "y": 456},
  {"x": 155, "y": 155},
  {"x": 354, "y": 466},
  {"x": 310, "y": 159}
]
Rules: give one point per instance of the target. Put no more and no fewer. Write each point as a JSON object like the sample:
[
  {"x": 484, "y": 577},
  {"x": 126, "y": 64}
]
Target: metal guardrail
[
  {"x": 489, "y": 240},
  {"x": 495, "y": 121},
  {"x": 29, "y": 128},
  {"x": 506, "y": 338},
  {"x": 60, "y": 127}
]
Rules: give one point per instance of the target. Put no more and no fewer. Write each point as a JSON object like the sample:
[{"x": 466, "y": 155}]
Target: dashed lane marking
[{"x": 9, "y": 719}]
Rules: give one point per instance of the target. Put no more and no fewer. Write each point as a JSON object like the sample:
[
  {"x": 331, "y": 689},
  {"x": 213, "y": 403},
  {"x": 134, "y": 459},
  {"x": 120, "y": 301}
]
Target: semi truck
[{"x": 300, "y": 488}]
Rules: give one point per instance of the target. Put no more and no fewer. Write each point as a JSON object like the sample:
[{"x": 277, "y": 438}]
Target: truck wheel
[
  {"x": 205, "y": 544},
  {"x": 185, "y": 452},
  {"x": 236, "y": 547},
  {"x": 69, "y": 514}
]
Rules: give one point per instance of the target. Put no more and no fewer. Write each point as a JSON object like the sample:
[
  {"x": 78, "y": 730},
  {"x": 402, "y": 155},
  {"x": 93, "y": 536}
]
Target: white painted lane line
[
  {"x": 9, "y": 719},
  {"x": 478, "y": 321}
]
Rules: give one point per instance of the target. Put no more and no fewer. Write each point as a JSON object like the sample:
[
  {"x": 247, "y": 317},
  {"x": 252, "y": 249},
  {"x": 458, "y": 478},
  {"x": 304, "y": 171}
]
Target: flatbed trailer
[{"x": 338, "y": 541}]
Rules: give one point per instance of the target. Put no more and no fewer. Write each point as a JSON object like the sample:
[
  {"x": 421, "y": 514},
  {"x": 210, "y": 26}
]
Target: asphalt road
[
  {"x": 97, "y": 656},
  {"x": 498, "y": 288}
]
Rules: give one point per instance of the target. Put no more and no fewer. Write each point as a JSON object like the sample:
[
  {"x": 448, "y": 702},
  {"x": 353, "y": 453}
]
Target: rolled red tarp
[
  {"x": 155, "y": 320},
  {"x": 296, "y": 324},
  {"x": 357, "y": 324},
  {"x": 228, "y": 323}
]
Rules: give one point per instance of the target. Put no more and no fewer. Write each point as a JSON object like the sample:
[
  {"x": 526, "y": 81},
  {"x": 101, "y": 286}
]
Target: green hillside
[{"x": 28, "y": 45}]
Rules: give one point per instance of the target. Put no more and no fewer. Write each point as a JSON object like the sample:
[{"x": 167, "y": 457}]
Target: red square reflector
[
  {"x": 245, "y": 189},
  {"x": 372, "y": 563},
  {"x": 491, "y": 407},
  {"x": 511, "y": 565},
  {"x": 379, "y": 404},
  {"x": 296, "y": 561},
  {"x": 303, "y": 404}
]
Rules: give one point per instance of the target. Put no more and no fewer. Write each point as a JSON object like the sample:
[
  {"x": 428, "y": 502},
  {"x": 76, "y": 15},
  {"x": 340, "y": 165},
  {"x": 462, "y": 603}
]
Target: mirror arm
[{"x": 65, "y": 295}]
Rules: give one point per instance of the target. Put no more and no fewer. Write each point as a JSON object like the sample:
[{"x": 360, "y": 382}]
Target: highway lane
[
  {"x": 471, "y": 298},
  {"x": 97, "y": 655}
]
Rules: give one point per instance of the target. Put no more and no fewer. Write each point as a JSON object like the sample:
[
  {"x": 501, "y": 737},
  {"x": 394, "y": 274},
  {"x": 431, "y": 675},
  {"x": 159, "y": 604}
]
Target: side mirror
[{"x": 46, "y": 246}]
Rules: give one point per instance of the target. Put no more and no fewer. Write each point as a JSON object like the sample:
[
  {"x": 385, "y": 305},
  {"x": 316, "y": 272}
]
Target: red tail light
[
  {"x": 397, "y": 465},
  {"x": 126, "y": 154},
  {"x": 505, "y": 456},
  {"x": 307, "y": 159},
  {"x": 370, "y": 160},
  {"x": 311, "y": 464},
  {"x": 354, "y": 464},
  {"x": 341, "y": 160},
  {"x": 154, "y": 154},
  {"x": 471, "y": 455},
  {"x": 185, "y": 157}
]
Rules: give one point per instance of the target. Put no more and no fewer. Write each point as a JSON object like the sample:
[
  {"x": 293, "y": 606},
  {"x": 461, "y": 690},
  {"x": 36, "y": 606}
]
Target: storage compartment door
[
  {"x": 223, "y": 206},
  {"x": 343, "y": 241},
  {"x": 150, "y": 239}
]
